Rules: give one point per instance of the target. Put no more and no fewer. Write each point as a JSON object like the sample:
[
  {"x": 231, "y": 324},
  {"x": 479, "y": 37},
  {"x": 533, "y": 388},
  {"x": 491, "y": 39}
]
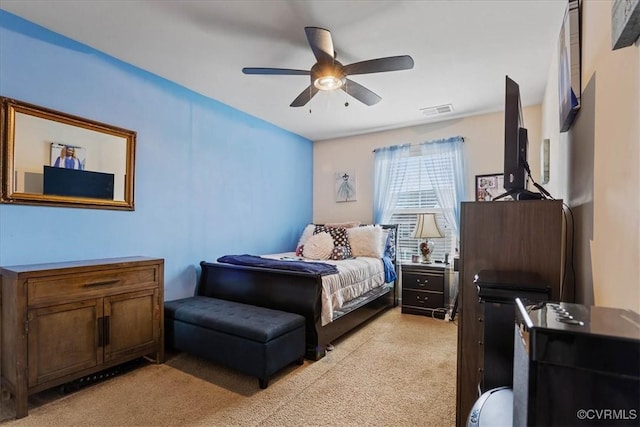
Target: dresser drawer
[
  {"x": 422, "y": 299},
  {"x": 423, "y": 281},
  {"x": 71, "y": 286}
]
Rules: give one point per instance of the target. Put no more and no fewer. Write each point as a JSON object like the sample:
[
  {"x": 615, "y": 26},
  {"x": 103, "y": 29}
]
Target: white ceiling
[{"x": 462, "y": 50}]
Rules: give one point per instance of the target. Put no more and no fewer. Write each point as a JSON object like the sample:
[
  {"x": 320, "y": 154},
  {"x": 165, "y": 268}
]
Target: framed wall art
[
  {"x": 345, "y": 186},
  {"x": 569, "y": 72}
]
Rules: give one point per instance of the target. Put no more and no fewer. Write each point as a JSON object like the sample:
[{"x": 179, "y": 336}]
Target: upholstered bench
[{"x": 254, "y": 340}]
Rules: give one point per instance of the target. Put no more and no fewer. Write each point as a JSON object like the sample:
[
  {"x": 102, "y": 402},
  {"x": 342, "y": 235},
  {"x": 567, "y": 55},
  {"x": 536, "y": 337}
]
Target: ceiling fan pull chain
[{"x": 346, "y": 94}]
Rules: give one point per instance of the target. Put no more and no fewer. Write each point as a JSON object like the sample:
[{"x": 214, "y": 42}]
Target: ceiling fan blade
[
  {"x": 305, "y": 96},
  {"x": 360, "y": 93},
  {"x": 276, "y": 71},
  {"x": 321, "y": 43},
  {"x": 392, "y": 63}
]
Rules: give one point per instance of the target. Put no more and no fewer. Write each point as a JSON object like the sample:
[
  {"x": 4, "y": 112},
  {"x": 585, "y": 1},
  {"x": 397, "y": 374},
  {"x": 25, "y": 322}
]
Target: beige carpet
[{"x": 398, "y": 370}]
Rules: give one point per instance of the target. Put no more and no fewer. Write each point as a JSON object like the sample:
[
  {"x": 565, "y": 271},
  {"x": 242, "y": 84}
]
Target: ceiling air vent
[{"x": 436, "y": 111}]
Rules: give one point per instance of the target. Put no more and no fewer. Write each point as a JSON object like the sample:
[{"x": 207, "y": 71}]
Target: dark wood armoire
[{"x": 525, "y": 235}]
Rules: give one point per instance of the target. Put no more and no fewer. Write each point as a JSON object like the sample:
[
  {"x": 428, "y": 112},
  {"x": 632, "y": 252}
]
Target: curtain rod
[{"x": 413, "y": 144}]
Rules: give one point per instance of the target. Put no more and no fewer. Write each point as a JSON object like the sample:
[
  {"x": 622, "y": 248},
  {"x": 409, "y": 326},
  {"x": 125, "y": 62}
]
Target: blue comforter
[{"x": 256, "y": 261}]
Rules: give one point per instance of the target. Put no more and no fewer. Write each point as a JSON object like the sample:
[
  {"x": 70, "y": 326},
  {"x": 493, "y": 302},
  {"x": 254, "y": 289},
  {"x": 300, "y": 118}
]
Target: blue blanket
[
  {"x": 389, "y": 270},
  {"x": 256, "y": 261}
]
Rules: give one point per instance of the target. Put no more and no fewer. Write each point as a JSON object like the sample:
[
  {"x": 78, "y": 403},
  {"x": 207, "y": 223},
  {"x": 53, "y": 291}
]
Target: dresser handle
[
  {"x": 105, "y": 283},
  {"x": 104, "y": 333},
  {"x": 100, "y": 331},
  {"x": 422, "y": 283},
  {"x": 107, "y": 332}
]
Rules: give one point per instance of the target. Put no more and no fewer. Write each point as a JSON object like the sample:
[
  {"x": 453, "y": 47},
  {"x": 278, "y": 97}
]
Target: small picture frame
[{"x": 490, "y": 186}]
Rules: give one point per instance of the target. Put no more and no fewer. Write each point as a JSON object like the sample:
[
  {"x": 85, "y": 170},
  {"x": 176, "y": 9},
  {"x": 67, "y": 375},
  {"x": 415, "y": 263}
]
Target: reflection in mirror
[{"x": 53, "y": 158}]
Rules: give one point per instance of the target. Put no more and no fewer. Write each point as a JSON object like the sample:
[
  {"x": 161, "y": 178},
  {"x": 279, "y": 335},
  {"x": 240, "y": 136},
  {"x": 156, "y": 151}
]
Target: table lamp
[{"x": 426, "y": 228}]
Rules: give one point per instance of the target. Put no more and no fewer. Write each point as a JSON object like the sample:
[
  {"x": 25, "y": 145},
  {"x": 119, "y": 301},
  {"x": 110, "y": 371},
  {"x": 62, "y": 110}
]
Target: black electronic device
[
  {"x": 575, "y": 365},
  {"x": 497, "y": 292},
  {"x": 78, "y": 183},
  {"x": 516, "y": 143}
]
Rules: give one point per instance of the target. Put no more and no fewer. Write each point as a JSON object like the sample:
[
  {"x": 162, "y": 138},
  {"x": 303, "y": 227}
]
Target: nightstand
[{"x": 425, "y": 289}]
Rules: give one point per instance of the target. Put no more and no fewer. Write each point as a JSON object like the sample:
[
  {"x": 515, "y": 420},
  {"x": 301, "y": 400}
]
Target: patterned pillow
[
  {"x": 390, "y": 247},
  {"x": 340, "y": 252},
  {"x": 340, "y": 240}
]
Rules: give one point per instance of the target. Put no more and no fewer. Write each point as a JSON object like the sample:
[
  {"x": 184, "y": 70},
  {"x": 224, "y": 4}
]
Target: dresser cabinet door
[
  {"x": 133, "y": 324},
  {"x": 63, "y": 339}
]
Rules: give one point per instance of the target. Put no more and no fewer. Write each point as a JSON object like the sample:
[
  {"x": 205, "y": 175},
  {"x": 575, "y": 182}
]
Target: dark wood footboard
[{"x": 289, "y": 291}]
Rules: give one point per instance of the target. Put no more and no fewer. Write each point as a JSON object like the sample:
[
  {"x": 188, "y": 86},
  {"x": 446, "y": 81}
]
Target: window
[{"x": 415, "y": 194}]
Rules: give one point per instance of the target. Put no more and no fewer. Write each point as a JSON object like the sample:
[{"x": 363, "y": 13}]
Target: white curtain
[
  {"x": 444, "y": 164},
  {"x": 389, "y": 171}
]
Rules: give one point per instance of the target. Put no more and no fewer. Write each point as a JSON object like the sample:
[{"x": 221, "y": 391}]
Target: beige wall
[
  {"x": 594, "y": 167},
  {"x": 484, "y": 150}
]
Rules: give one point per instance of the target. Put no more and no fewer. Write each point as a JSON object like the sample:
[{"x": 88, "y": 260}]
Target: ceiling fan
[{"x": 329, "y": 74}]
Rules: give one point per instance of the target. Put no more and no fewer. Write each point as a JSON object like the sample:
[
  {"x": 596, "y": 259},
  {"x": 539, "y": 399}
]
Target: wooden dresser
[
  {"x": 62, "y": 321},
  {"x": 521, "y": 236}
]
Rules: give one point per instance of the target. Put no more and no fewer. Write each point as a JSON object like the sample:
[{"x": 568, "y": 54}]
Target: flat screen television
[
  {"x": 515, "y": 146},
  {"x": 78, "y": 183}
]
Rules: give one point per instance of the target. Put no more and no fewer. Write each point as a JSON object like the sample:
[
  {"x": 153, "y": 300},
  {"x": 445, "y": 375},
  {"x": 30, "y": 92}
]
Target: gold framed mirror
[{"x": 57, "y": 159}]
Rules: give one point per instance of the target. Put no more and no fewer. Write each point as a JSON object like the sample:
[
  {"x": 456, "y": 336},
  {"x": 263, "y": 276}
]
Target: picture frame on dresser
[{"x": 489, "y": 186}]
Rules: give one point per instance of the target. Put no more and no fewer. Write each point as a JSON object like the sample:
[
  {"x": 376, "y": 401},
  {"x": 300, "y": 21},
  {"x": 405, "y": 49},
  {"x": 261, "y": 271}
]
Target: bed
[{"x": 275, "y": 282}]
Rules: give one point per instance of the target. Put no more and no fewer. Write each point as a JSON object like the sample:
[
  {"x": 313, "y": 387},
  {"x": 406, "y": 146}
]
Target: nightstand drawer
[
  {"x": 423, "y": 281},
  {"x": 422, "y": 299}
]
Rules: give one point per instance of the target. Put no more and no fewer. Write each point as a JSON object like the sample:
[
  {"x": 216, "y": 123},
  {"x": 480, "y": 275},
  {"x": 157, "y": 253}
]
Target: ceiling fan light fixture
[
  {"x": 329, "y": 74},
  {"x": 328, "y": 82}
]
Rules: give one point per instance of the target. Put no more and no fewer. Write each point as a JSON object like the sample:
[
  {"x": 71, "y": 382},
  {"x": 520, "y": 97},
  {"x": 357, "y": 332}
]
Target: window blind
[{"x": 415, "y": 194}]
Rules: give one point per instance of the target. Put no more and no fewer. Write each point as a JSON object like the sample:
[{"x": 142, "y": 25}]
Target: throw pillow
[
  {"x": 340, "y": 253},
  {"x": 366, "y": 241},
  {"x": 339, "y": 235},
  {"x": 349, "y": 224},
  {"x": 390, "y": 243},
  {"x": 306, "y": 233},
  {"x": 319, "y": 246}
]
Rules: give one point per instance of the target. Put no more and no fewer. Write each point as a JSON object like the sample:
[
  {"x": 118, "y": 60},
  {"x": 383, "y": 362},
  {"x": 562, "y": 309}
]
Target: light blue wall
[{"x": 210, "y": 180}]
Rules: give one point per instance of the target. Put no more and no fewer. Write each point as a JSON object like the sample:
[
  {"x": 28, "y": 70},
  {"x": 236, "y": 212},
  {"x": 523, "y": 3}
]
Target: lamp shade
[{"x": 426, "y": 227}]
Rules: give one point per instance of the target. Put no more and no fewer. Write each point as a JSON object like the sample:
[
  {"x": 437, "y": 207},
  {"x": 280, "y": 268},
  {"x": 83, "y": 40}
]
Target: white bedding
[{"x": 355, "y": 277}]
